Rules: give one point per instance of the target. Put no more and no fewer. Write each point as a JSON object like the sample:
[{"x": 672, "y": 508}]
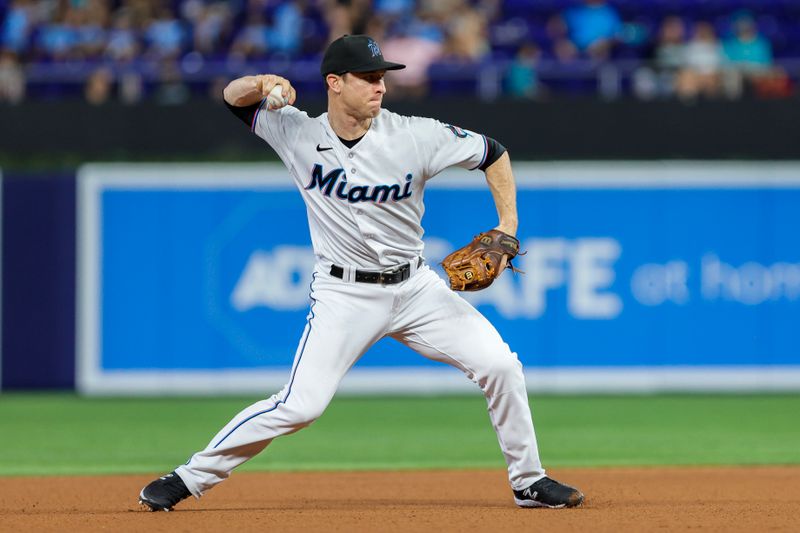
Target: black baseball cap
[{"x": 355, "y": 53}]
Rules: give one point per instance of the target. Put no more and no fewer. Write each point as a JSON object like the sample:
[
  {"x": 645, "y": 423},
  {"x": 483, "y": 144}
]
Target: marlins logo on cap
[{"x": 373, "y": 46}]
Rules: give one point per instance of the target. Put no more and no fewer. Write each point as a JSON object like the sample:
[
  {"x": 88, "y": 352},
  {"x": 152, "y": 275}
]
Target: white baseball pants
[{"x": 344, "y": 320}]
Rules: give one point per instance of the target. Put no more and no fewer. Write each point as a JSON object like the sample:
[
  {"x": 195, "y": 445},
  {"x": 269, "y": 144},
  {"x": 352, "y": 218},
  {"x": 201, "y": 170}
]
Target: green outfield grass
[{"x": 65, "y": 434}]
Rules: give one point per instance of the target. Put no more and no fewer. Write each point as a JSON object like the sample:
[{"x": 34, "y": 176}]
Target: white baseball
[{"x": 275, "y": 99}]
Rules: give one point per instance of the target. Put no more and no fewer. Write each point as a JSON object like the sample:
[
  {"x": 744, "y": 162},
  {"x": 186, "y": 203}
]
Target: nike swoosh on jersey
[{"x": 319, "y": 149}]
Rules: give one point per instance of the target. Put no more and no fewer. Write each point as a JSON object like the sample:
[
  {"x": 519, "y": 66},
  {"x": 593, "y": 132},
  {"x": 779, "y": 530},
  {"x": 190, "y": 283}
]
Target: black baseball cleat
[
  {"x": 548, "y": 493},
  {"x": 164, "y": 493}
]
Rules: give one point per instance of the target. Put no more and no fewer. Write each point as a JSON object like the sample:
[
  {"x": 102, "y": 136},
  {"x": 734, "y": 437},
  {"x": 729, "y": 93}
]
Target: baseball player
[{"x": 361, "y": 171}]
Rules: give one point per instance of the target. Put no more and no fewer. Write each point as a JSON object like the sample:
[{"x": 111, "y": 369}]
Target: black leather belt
[{"x": 385, "y": 277}]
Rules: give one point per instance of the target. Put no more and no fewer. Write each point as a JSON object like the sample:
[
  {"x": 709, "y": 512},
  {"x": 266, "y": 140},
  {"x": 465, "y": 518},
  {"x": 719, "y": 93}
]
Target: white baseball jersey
[
  {"x": 364, "y": 206},
  {"x": 365, "y": 203}
]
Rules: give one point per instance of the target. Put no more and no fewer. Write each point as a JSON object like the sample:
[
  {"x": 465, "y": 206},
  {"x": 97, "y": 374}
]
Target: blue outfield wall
[
  {"x": 38, "y": 281},
  {"x": 650, "y": 276}
]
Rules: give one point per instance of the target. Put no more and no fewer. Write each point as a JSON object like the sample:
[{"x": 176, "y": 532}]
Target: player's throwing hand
[
  {"x": 251, "y": 90},
  {"x": 266, "y": 82}
]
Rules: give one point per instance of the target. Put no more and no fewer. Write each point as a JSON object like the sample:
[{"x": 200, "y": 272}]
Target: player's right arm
[
  {"x": 279, "y": 126},
  {"x": 250, "y": 90},
  {"x": 244, "y": 96}
]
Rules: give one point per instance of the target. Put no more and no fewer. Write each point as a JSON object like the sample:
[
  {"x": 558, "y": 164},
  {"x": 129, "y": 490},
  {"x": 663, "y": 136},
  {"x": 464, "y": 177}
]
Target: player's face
[{"x": 363, "y": 92}]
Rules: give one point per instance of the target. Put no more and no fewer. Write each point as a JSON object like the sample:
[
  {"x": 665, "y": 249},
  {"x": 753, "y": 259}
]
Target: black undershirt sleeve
[
  {"x": 245, "y": 113},
  {"x": 493, "y": 152}
]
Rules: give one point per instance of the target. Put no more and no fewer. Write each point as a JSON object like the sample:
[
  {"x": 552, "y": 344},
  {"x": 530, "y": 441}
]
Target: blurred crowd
[{"x": 172, "y": 50}]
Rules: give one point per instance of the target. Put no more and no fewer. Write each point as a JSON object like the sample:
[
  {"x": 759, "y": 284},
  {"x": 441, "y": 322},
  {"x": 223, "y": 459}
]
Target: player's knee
[
  {"x": 507, "y": 366},
  {"x": 313, "y": 414},
  {"x": 307, "y": 413},
  {"x": 504, "y": 373}
]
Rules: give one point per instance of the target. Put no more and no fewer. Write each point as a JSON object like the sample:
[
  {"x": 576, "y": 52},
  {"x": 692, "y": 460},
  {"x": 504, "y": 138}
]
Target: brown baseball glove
[{"x": 476, "y": 265}]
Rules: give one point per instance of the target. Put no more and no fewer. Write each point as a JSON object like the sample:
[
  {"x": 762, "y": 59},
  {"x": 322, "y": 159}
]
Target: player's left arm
[
  {"x": 500, "y": 178},
  {"x": 501, "y": 182}
]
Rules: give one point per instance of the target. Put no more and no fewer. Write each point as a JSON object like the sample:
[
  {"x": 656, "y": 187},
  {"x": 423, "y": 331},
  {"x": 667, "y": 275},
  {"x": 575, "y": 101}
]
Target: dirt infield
[{"x": 709, "y": 499}]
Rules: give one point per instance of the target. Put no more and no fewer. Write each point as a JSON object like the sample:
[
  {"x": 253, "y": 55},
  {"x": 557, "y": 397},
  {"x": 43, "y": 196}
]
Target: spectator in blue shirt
[
  {"x": 251, "y": 41},
  {"x": 91, "y": 33},
  {"x": 165, "y": 35},
  {"x": 521, "y": 78},
  {"x": 16, "y": 26},
  {"x": 748, "y": 56},
  {"x": 746, "y": 49},
  {"x": 122, "y": 44},
  {"x": 593, "y": 27},
  {"x": 286, "y": 32},
  {"x": 58, "y": 39}
]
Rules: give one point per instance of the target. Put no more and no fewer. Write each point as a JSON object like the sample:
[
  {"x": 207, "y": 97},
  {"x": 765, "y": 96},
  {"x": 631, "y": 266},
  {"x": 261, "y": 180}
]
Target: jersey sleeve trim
[
  {"x": 494, "y": 152},
  {"x": 483, "y": 157},
  {"x": 255, "y": 117}
]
